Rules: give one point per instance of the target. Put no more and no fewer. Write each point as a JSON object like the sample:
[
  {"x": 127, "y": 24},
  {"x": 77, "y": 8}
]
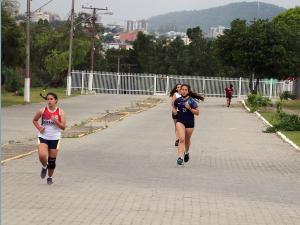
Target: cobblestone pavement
[{"x": 127, "y": 174}]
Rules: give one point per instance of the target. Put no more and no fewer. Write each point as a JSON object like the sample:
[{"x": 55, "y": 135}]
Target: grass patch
[
  {"x": 267, "y": 116},
  {"x": 294, "y": 136},
  {"x": 8, "y": 98},
  {"x": 292, "y": 104}
]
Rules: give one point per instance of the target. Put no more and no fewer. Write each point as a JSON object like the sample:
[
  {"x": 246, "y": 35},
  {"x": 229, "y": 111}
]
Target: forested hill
[{"x": 212, "y": 17}]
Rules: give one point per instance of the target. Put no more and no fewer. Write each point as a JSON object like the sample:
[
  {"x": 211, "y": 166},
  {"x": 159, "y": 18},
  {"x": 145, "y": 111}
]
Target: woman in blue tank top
[{"x": 187, "y": 108}]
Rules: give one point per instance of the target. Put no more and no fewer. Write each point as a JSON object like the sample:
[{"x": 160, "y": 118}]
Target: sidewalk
[{"x": 127, "y": 173}]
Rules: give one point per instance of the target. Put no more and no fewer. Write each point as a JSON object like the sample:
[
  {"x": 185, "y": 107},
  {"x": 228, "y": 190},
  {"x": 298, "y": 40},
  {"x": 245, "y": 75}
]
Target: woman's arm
[
  {"x": 174, "y": 110},
  {"x": 36, "y": 119},
  {"x": 62, "y": 123},
  {"x": 173, "y": 99},
  {"x": 194, "y": 111}
]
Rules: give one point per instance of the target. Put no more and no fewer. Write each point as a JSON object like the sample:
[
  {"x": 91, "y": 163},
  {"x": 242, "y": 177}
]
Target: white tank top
[
  {"x": 52, "y": 131},
  {"x": 177, "y": 96}
]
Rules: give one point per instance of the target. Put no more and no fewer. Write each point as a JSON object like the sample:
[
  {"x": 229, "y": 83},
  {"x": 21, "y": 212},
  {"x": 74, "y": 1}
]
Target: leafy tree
[
  {"x": 20, "y": 17},
  {"x": 267, "y": 48},
  {"x": 197, "y": 49},
  {"x": 290, "y": 17},
  {"x": 12, "y": 39}
]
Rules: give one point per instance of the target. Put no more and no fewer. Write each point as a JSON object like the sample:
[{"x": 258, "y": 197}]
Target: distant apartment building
[
  {"x": 136, "y": 24},
  {"x": 41, "y": 14},
  {"x": 215, "y": 31}
]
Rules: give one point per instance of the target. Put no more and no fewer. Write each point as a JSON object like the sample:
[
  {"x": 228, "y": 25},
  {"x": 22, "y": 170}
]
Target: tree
[
  {"x": 12, "y": 40},
  {"x": 197, "y": 49},
  {"x": 267, "y": 48},
  {"x": 290, "y": 17}
]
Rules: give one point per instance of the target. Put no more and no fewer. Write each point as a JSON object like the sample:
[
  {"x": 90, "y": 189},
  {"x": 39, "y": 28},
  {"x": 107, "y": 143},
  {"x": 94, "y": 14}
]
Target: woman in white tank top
[
  {"x": 175, "y": 93},
  {"x": 52, "y": 122}
]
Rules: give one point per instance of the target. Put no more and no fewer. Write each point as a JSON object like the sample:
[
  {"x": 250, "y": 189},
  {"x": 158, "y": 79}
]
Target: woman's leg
[
  {"x": 180, "y": 128},
  {"x": 52, "y": 154},
  {"x": 43, "y": 152},
  {"x": 227, "y": 101},
  {"x": 188, "y": 135},
  {"x": 175, "y": 121}
]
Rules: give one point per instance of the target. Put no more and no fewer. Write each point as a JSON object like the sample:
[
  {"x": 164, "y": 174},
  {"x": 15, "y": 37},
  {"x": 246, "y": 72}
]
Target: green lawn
[
  {"x": 292, "y": 104},
  {"x": 294, "y": 136},
  {"x": 8, "y": 98}
]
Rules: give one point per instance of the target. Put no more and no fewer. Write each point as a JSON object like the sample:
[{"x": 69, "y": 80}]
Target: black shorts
[
  {"x": 52, "y": 144},
  {"x": 228, "y": 97},
  {"x": 188, "y": 125},
  {"x": 174, "y": 117}
]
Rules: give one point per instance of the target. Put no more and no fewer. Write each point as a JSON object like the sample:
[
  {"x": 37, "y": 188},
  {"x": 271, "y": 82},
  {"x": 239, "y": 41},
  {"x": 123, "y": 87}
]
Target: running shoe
[
  {"x": 49, "y": 181},
  {"x": 179, "y": 161},
  {"x": 186, "y": 157},
  {"x": 176, "y": 142},
  {"x": 43, "y": 173}
]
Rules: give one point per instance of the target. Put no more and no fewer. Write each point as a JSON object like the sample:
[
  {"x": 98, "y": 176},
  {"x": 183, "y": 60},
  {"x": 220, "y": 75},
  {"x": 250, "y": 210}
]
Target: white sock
[
  {"x": 45, "y": 167},
  {"x": 49, "y": 177},
  {"x": 186, "y": 153}
]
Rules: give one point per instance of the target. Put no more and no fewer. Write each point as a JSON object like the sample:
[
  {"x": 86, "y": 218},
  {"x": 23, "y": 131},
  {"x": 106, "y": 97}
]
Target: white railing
[{"x": 157, "y": 84}]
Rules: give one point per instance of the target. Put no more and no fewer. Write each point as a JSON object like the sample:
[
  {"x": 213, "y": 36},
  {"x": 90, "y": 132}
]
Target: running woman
[
  {"x": 53, "y": 121},
  {"x": 187, "y": 108},
  {"x": 175, "y": 93},
  {"x": 229, "y": 92}
]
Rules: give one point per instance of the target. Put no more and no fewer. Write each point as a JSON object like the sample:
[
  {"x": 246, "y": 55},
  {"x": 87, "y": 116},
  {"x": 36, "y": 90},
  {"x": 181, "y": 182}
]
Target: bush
[
  {"x": 284, "y": 122},
  {"x": 13, "y": 83},
  {"x": 278, "y": 106},
  {"x": 286, "y": 95},
  {"x": 20, "y": 92},
  {"x": 258, "y": 100}
]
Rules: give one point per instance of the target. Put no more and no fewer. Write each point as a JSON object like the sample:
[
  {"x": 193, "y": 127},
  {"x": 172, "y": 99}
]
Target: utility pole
[
  {"x": 27, "y": 65},
  {"x": 93, "y": 38},
  {"x": 119, "y": 78},
  {"x": 69, "y": 78},
  {"x": 129, "y": 80},
  {"x": 174, "y": 26}
]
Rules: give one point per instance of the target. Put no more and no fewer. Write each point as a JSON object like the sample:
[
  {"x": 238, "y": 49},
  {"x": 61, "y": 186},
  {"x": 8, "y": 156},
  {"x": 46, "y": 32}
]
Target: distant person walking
[
  {"x": 175, "y": 93},
  {"x": 53, "y": 121},
  {"x": 229, "y": 92},
  {"x": 187, "y": 108}
]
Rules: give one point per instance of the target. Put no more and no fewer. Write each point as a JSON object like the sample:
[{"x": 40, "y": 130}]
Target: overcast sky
[{"x": 137, "y": 9}]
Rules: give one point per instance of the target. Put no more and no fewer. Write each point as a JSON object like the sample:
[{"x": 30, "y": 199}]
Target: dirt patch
[
  {"x": 111, "y": 117},
  {"x": 13, "y": 150},
  {"x": 131, "y": 110},
  {"x": 79, "y": 131}
]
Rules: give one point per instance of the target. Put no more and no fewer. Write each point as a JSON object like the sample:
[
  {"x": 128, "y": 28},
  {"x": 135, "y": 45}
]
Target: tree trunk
[{"x": 250, "y": 83}]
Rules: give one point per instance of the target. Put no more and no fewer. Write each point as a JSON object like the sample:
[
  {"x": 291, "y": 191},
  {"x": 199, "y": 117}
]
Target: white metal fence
[{"x": 157, "y": 84}]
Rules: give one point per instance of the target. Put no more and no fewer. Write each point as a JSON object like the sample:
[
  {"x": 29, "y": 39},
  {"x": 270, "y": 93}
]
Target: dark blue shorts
[
  {"x": 188, "y": 125},
  {"x": 52, "y": 144}
]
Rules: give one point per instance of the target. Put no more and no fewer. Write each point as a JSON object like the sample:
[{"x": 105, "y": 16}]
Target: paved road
[{"x": 127, "y": 174}]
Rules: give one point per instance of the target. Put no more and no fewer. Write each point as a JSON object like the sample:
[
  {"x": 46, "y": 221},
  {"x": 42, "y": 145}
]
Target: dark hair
[
  {"x": 50, "y": 93},
  {"x": 231, "y": 86},
  {"x": 174, "y": 90},
  {"x": 194, "y": 95}
]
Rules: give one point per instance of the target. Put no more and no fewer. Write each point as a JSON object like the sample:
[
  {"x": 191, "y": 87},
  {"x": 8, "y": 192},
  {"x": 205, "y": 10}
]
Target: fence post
[
  {"x": 167, "y": 88},
  {"x": 203, "y": 88},
  {"x": 264, "y": 90},
  {"x": 240, "y": 87},
  {"x": 82, "y": 81},
  {"x": 118, "y": 84},
  {"x": 154, "y": 85},
  {"x": 271, "y": 88},
  {"x": 275, "y": 89},
  {"x": 91, "y": 81}
]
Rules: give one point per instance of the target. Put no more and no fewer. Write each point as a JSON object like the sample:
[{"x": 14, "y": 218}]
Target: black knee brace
[{"x": 51, "y": 163}]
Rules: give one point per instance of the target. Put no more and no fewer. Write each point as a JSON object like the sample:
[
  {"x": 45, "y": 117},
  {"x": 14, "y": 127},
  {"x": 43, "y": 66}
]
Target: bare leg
[
  {"x": 227, "y": 101},
  {"x": 188, "y": 135},
  {"x": 181, "y": 135},
  {"x": 175, "y": 121},
  {"x": 43, "y": 152},
  {"x": 52, "y": 154}
]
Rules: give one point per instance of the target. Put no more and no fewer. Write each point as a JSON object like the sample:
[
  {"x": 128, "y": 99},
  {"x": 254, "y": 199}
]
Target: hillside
[{"x": 212, "y": 17}]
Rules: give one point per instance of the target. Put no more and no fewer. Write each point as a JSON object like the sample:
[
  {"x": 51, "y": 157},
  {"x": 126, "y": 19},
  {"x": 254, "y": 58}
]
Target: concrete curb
[
  {"x": 278, "y": 133},
  {"x": 19, "y": 156}
]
